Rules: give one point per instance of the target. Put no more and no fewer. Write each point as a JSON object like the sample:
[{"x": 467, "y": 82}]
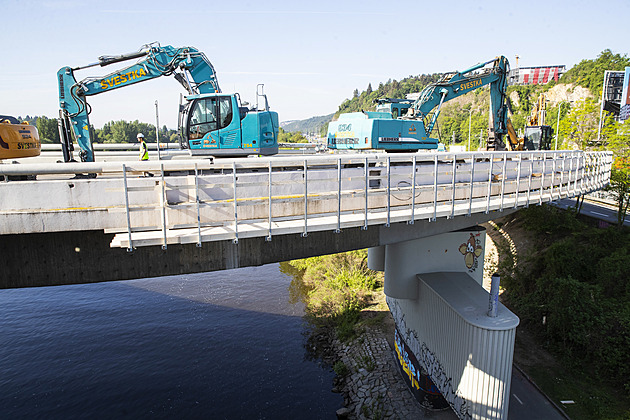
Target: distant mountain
[{"x": 310, "y": 125}]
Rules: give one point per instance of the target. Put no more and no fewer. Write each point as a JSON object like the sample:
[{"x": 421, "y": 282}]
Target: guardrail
[{"x": 262, "y": 197}]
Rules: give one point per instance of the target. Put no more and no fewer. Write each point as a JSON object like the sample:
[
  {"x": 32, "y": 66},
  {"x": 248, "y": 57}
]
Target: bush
[
  {"x": 335, "y": 289},
  {"x": 579, "y": 284}
]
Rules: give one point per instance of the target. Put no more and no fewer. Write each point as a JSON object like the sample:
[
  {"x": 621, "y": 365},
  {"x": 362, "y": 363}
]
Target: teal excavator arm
[
  {"x": 456, "y": 84},
  {"x": 400, "y": 125},
  {"x": 189, "y": 66}
]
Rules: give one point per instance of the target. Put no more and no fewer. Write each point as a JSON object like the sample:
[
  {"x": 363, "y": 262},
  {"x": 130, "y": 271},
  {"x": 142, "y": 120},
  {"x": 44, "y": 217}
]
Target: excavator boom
[
  {"x": 412, "y": 130},
  {"x": 190, "y": 68}
]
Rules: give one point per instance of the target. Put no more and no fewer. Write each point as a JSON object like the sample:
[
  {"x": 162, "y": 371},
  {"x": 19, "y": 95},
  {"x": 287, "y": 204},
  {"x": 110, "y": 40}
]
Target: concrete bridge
[
  {"x": 194, "y": 216},
  {"x": 416, "y": 212}
]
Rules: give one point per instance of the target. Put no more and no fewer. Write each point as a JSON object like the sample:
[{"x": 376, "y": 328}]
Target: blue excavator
[
  {"x": 402, "y": 125},
  {"x": 210, "y": 122}
]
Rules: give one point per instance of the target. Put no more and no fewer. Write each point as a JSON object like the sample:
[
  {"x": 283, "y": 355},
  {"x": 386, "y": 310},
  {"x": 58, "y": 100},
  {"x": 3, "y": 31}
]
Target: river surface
[{"x": 227, "y": 344}]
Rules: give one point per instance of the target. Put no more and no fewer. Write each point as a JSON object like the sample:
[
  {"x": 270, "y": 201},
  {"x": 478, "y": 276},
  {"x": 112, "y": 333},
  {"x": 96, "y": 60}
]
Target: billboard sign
[{"x": 624, "y": 112}]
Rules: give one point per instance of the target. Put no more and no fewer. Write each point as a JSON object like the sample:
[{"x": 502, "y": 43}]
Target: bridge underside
[{"x": 74, "y": 257}]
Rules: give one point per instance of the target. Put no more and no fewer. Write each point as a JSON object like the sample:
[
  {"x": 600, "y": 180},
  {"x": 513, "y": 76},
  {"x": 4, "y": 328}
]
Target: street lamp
[
  {"x": 469, "y": 124},
  {"x": 558, "y": 124}
]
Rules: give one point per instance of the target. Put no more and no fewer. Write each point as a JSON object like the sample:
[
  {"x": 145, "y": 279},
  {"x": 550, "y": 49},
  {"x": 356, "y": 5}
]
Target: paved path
[{"x": 594, "y": 210}]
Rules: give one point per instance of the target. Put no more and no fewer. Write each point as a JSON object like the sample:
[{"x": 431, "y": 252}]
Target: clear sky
[{"x": 310, "y": 55}]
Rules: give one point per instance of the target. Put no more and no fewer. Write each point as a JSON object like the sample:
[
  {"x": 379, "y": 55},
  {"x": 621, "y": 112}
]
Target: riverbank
[{"x": 369, "y": 378}]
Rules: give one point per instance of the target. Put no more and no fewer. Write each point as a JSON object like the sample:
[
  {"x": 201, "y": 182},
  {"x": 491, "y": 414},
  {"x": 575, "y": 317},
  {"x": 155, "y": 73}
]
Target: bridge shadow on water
[{"x": 211, "y": 345}]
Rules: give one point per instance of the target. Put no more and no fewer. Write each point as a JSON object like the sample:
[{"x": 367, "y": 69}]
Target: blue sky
[{"x": 310, "y": 55}]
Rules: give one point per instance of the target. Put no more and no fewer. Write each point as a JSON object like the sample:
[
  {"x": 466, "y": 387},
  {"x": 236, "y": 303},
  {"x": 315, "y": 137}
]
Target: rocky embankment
[{"x": 370, "y": 380}]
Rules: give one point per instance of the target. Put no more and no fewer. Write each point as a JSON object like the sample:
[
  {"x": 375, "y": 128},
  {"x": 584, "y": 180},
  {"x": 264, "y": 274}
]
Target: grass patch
[
  {"x": 341, "y": 369},
  {"x": 594, "y": 399},
  {"x": 335, "y": 289}
]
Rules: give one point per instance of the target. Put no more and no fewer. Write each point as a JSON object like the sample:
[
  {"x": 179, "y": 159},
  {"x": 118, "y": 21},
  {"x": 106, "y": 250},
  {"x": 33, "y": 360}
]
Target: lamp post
[
  {"x": 558, "y": 124},
  {"x": 469, "y": 125},
  {"x": 157, "y": 129}
]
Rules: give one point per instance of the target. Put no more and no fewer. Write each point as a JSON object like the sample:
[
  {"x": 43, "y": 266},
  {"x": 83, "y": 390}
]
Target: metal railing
[
  {"x": 275, "y": 196},
  {"x": 195, "y": 201}
]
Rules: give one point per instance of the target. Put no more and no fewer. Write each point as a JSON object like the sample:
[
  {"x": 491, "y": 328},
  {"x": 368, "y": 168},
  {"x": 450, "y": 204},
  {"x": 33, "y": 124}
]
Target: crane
[{"x": 211, "y": 122}]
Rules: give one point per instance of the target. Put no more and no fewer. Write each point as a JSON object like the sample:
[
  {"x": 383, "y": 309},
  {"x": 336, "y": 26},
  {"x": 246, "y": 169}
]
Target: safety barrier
[{"x": 266, "y": 197}]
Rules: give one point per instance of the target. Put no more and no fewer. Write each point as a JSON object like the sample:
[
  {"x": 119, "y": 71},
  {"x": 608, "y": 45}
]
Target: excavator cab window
[
  {"x": 225, "y": 111},
  {"x": 209, "y": 114}
]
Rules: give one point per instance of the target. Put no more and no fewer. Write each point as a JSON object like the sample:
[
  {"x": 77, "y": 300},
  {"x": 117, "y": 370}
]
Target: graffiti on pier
[
  {"x": 418, "y": 380},
  {"x": 427, "y": 362},
  {"x": 471, "y": 250},
  {"x": 444, "y": 382}
]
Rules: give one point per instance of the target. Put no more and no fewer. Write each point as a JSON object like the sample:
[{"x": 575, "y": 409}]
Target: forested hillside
[
  {"x": 311, "y": 125},
  {"x": 578, "y": 109}
]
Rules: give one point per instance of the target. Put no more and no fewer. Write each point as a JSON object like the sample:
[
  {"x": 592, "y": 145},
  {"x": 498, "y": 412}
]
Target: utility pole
[
  {"x": 157, "y": 128},
  {"x": 469, "y": 125},
  {"x": 558, "y": 124}
]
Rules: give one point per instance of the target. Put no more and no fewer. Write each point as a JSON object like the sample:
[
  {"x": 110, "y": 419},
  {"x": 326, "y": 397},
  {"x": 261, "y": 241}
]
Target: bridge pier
[{"x": 434, "y": 291}]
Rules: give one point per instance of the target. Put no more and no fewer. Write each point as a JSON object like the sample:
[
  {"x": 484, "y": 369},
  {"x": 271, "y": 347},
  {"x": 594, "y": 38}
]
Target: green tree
[
  {"x": 286, "y": 137},
  {"x": 48, "y": 130},
  {"x": 618, "y": 141},
  {"x": 590, "y": 73},
  {"x": 581, "y": 123}
]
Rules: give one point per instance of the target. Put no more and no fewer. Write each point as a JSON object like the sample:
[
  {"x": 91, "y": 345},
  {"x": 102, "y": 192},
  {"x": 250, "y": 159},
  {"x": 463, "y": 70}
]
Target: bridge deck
[{"x": 196, "y": 201}]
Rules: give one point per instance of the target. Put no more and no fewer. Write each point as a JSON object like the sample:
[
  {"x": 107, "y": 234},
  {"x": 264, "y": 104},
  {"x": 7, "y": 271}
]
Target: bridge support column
[
  {"x": 445, "y": 341},
  {"x": 461, "y": 251}
]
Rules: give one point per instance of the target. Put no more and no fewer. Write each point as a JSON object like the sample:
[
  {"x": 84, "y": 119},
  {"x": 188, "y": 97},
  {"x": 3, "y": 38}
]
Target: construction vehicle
[
  {"x": 538, "y": 135},
  {"x": 18, "y": 139},
  {"x": 400, "y": 125},
  {"x": 211, "y": 122}
]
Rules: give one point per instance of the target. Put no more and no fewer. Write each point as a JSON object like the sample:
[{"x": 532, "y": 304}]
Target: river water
[{"x": 227, "y": 344}]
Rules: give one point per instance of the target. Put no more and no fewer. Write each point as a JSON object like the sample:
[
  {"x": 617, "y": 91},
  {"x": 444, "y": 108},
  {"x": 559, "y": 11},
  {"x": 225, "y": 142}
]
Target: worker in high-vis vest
[{"x": 144, "y": 151}]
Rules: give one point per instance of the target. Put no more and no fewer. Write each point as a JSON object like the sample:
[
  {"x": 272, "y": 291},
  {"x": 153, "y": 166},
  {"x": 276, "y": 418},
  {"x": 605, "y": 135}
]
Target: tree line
[
  {"x": 126, "y": 132},
  {"x": 112, "y": 132}
]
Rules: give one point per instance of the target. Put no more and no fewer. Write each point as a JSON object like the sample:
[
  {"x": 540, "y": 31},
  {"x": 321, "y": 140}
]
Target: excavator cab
[{"x": 218, "y": 124}]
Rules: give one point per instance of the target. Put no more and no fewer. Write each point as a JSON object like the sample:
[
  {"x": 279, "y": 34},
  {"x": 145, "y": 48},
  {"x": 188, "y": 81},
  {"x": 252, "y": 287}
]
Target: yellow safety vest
[{"x": 144, "y": 152}]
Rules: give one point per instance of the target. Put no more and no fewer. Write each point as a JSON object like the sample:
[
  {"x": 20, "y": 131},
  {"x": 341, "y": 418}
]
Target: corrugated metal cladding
[
  {"x": 467, "y": 354},
  {"x": 535, "y": 75}
]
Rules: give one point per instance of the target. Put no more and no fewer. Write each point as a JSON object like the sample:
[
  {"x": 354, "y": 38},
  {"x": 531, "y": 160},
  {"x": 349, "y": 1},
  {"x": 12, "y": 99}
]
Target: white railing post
[
  {"x": 235, "y": 203},
  {"x": 197, "y": 205},
  {"x": 542, "y": 178},
  {"x": 388, "y": 191},
  {"x": 268, "y": 238},
  {"x": 305, "y": 233},
  {"x": 366, "y": 175},
  {"x": 338, "y": 230},
  {"x": 489, "y": 184},
  {"x": 453, "y": 187},
  {"x": 164, "y": 245},
  {"x": 518, "y": 178},
  {"x": 435, "y": 186},
  {"x": 529, "y": 180},
  {"x": 553, "y": 178},
  {"x": 124, "y": 168},
  {"x": 503, "y": 176},
  {"x": 472, "y": 184},
  {"x": 413, "y": 191}
]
